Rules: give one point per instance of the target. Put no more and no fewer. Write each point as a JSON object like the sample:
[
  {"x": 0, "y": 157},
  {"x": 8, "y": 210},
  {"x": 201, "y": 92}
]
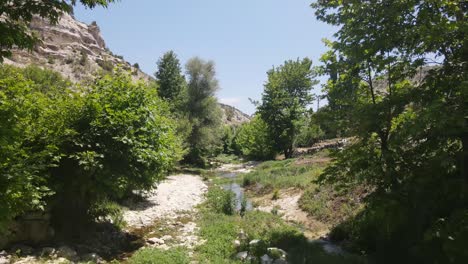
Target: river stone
[
  {"x": 265, "y": 259},
  {"x": 156, "y": 241},
  {"x": 166, "y": 237},
  {"x": 4, "y": 258},
  {"x": 242, "y": 255},
  {"x": 237, "y": 243}
]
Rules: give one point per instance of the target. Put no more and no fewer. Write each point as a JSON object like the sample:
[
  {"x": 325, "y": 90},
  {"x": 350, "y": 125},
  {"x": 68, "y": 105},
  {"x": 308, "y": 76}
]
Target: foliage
[
  {"x": 105, "y": 140},
  {"x": 121, "y": 140},
  {"x": 253, "y": 140},
  {"x": 229, "y": 139},
  {"x": 17, "y": 14},
  {"x": 398, "y": 83},
  {"x": 284, "y": 174},
  {"x": 221, "y": 201},
  {"x": 170, "y": 79},
  {"x": 220, "y": 230},
  {"x": 284, "y": 101},
  {"x": 203, "y": 111},
  {"x": 154, "y": 255},
  {"x": 28, "y": 140},
  {"x": 310, "y": 131}
]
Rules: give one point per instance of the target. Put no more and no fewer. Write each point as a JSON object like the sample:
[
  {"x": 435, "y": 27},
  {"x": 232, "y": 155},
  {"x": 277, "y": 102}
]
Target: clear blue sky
[{"x": 245, "y": 38}]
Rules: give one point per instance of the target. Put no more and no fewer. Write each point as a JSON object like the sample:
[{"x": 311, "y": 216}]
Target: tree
[
  {"x": 17, "y": 14},
  {"x": 398, "y": 84},
  {"x": 254, "y": 141},
  {"x": 169, "y": 76},
  {"x": 284, "y": 101},
  {"x": 203, "y": 110}
]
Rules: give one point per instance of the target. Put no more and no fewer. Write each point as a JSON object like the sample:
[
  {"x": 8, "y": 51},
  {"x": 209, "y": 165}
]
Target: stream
[
  {"x": 236, "y": 189},
  {"x": 327, "y": 245}
]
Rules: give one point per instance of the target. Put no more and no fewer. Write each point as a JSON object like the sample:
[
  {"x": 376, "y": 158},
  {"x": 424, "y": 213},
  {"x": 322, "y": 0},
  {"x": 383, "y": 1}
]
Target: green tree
[
  {"x": 122, "y": 138},
  {"x": 398, "y": 83},
  {"x": 17, "y": 14},
  {"x": 203, "y": 110},
  {"x": 284, "y": 101},
  {"x": 169, "y": 76},
  {"x": 254, "y": 141}
]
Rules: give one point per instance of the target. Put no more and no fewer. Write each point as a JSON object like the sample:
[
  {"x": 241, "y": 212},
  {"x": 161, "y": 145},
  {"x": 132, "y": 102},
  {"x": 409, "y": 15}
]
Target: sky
[{"x": 245, "y": 38}]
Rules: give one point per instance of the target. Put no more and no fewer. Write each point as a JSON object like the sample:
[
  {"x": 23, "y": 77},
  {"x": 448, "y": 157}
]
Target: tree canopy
[{"x": 284, "y": 101}]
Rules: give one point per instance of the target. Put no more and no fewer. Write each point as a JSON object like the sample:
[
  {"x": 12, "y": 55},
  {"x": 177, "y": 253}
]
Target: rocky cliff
[
  {"x": 78, "y": 51},
  {"x": 73, "y": 48},
  {"x": 233, "y": 116}
]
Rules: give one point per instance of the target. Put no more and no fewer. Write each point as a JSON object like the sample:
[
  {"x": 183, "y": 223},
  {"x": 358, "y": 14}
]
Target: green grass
[
  {"x": 158, "y": 256},
  {"x": 284, "y": 174},
  {"x": 220, "y": 230}
]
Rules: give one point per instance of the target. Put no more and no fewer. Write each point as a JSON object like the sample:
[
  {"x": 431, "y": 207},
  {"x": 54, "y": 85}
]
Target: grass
[
  {"x": 329, "y": 205},
  {"x": 219, "y": 230},
  {"x": 158, "y": 256},
  {"x": 284, "y": 174}
]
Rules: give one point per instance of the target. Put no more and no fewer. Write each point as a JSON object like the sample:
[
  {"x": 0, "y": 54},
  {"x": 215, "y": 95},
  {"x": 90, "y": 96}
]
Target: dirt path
[{"x": 177, "y": 194}]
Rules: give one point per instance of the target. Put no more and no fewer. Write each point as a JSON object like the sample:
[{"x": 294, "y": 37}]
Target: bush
[
  {"x": 28, "y": 140},
  {"x": 221, "y": 201},
  {"x": 122, "y": 139},
  {"x": 72, "y": 150},
  {"x": 253, "y": 140},
  {"x": 153, "y": 255}
]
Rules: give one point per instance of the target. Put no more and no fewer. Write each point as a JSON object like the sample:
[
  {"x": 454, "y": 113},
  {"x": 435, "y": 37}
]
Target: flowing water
[{"x": 236, "y": 189}]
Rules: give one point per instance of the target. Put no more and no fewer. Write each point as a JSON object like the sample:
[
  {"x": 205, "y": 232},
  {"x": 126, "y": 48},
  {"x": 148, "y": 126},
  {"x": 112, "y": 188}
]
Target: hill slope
[{"x": 78, "y": 51}]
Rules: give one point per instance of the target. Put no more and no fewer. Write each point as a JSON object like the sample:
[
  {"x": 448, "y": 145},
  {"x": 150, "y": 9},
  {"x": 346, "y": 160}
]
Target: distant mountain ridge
[{"x": 78, "y": 51}]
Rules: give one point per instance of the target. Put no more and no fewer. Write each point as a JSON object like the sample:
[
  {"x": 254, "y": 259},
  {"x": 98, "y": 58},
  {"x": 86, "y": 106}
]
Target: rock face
[
  {"x": 233, "y": 116},
  {"x": 73, "y": 48},
  {"x": 78, "y": 51}
]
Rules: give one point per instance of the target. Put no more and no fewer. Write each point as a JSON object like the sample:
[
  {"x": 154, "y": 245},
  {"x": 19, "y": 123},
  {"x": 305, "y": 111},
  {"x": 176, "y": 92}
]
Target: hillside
[{"x": 78, "y": 51}]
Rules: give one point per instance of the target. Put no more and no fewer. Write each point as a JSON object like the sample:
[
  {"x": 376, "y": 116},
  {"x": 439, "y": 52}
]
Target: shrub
[
  {"x": 253, "y": 140},
  {"x": 71, "y": 151},
  {"x": 28, "y": 141},
  {"x": 221, "y": 201},
  {"x": 121, "y": 140}
]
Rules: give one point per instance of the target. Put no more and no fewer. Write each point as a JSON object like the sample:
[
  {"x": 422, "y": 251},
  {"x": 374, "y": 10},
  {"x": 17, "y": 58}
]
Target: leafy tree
[
  {"x": 230, "y": 134},
  {"x": 253, "y": 140},
  {"x": 169, "y": 76},
  {"x": 284, "y": 101},
  {"x": 105, "y": 140},
  {"x": 398, "y": 83},
  {"x": 310, "y": 131},
  {"x": 16, "y": 14},
  {"x": 28, "y": 140},
  {"x": 121, "y": 139},
  {"x": 203, "y": 110}
]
